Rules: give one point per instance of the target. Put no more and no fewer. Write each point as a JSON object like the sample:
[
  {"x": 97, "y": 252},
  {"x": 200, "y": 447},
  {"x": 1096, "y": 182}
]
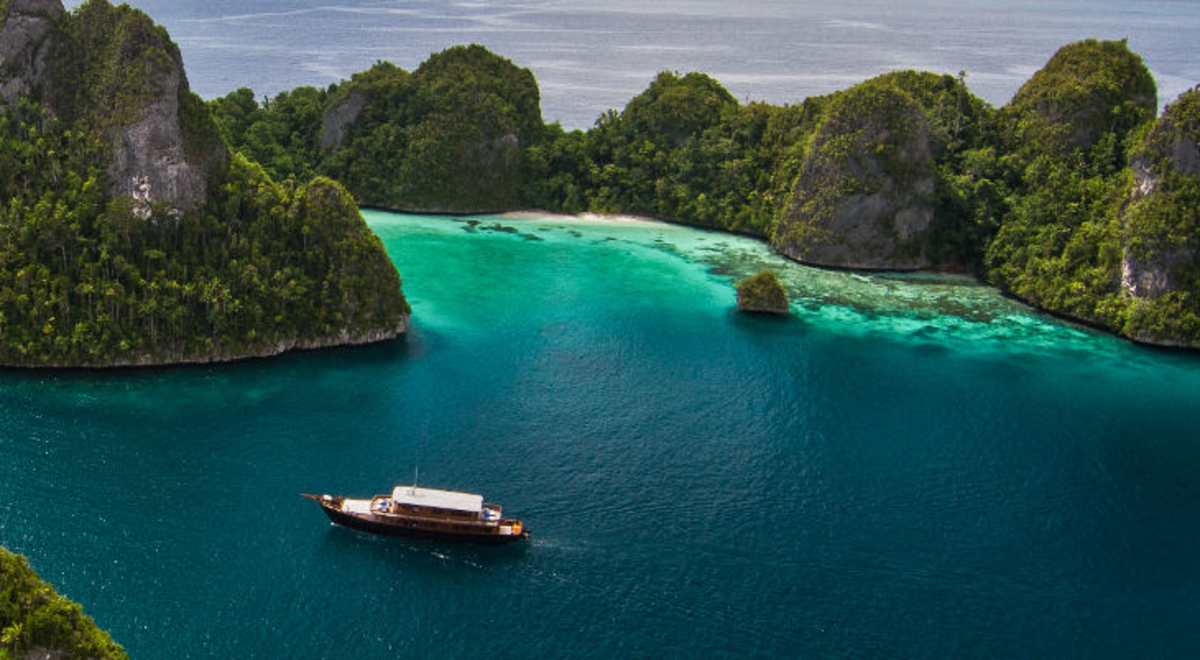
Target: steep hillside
[
  {"x": 36, "y": 622},
  {"x": 1065, "y": 198},
  {"x": 128, "y": 233},
  {"x": 447, "y": 137}
]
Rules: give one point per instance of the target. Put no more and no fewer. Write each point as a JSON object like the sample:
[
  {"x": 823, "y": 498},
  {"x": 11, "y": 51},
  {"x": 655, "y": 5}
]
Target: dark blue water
[
  {"x": 591, "y": 56},
  {"x": 908, "y": 467}
]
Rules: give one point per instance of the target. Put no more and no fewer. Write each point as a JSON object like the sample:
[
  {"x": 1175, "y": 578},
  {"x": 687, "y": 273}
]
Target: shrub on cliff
[{"x": 37, "y": 622}]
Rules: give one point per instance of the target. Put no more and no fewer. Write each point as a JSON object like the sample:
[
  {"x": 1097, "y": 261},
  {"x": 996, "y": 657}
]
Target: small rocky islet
[{"x": 762, "y": 293}]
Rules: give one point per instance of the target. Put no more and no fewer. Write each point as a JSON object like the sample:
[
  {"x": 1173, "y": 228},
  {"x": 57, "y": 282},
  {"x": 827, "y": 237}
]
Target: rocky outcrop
[
  {"x": 862, "y": 197},
  {"x": 446, "y": 138},
  {"x": 1158, "y": 238},
  {"x": 151, "y": 162},
  {"x": 335, "y": 122},
  {"x": 762, "y": 293},
  {"x": 111, "y": 70},
  {"x": 1087, "y": 89},
  {"x": 25, "y": 39},
  {"x": 277, "y": 267},
  {"x": 163, "y": 146}
]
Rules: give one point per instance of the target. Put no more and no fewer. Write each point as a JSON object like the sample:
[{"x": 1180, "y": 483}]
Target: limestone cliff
[
  {"x": 132, "y": 236},
  {"x": 111, "y": 70},
  {"x": 26, "y": 28},
  {"x": 1160, "y": 231},
  {"x": 862, "y": 198}
]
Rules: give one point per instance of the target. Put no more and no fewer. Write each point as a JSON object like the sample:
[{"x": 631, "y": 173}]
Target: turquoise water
[{"x": 908, "y": 467}]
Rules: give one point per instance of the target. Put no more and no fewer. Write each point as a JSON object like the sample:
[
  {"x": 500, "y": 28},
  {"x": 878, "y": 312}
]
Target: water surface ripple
[{"x": 910, "y": 466}]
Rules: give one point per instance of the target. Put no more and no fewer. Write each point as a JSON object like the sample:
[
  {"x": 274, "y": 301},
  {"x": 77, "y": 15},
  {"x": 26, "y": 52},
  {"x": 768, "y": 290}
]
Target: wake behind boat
[{"x": 428, "y": 513}]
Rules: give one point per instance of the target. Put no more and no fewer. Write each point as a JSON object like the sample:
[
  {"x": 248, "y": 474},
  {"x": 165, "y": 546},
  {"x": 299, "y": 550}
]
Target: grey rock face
[
  {"x": 335, "y": 123},
  {"x": 150, "y": 160},
  {"x": 150, "y": 163},
  {"x": 24, "y": 43},
  {"x": 1146, "y": 272},
  {"x": 503, "y": 151},
  {"x": 859, "y": 201}
]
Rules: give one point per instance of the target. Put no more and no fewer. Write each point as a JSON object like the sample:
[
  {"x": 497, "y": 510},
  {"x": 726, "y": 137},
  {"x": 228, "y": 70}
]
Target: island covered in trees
[
  {"x": 1074, "y": 197},
  {"x": 141, "y": 225},
  {"x": 130, "y": 234}
]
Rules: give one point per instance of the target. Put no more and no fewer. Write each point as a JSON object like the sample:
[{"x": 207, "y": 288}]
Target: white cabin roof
[{"x": 440, "y": 499}]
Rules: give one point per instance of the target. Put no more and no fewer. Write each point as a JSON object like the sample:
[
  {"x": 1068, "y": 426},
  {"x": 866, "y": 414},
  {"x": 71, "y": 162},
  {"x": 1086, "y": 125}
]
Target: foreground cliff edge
[
  {"x": 129, "y": 233},
  {"x": 36, "y": 622},
  {"x": 1073, "y": 197}
]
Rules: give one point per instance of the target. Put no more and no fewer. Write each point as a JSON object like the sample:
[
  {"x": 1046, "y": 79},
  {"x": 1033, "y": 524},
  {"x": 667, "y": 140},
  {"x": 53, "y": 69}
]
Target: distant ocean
[{"x": 592, "y": 56}]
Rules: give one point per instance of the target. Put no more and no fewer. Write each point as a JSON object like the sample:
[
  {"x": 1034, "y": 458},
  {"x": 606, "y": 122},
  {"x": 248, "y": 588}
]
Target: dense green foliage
[
  {"x": 762, "y": 292},
  {"x": 1162, "y": 226},
  {"x": 33, "y": 617},
  {"x": 1036, "y": 197},
  {"x": 447, "y": 136},
  {"x": 1068, "y": 136},
  {"x": 683, "y": 149},
  {"x": 282, "y": 135},
  {"x": 89, "y": 280}
]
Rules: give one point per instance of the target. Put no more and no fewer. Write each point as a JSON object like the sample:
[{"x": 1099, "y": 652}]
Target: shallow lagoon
[{"x": 910, "y": 466}]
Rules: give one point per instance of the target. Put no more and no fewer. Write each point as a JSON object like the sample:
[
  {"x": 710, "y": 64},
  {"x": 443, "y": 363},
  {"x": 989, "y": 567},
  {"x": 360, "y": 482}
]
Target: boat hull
[{"x": 366, "y": 524}]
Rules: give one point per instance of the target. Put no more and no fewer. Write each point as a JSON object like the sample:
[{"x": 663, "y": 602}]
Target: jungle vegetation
[
  {"x": 87, "y": 279},
  {"x": 35, "y": 621},
  {"x": 1036, "y": 197}
]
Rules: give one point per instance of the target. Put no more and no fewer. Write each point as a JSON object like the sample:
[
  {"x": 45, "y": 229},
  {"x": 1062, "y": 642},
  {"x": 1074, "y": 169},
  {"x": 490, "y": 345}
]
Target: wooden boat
[{"x": 427, "y": 513}]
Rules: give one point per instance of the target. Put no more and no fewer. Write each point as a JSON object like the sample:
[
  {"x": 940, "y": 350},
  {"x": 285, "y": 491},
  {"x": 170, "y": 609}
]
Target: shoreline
[
  {"x": 945, "y": 270},
  {"x": 293, "y": 346}
]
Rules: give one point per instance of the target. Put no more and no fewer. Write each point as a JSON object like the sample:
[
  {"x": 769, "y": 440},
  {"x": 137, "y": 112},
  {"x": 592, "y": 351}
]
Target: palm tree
[{"x": 11, "y": 636}]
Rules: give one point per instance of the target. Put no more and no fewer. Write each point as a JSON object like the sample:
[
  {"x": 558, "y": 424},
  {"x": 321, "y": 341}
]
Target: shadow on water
[
  {"x": 407, "y": 346},
  {"x": 416, "y": 554},
  {"x": 766, "y": 323}
]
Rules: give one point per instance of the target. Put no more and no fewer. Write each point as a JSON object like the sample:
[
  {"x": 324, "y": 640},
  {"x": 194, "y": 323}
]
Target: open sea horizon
[{"x": 589, "y": 57}]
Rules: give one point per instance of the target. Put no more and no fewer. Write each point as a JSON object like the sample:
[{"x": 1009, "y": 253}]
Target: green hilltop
[
  {"x": 129, "y": 232},
  {"x": 447, "y": 137},
  {"x": 1073, "y": 197}
]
